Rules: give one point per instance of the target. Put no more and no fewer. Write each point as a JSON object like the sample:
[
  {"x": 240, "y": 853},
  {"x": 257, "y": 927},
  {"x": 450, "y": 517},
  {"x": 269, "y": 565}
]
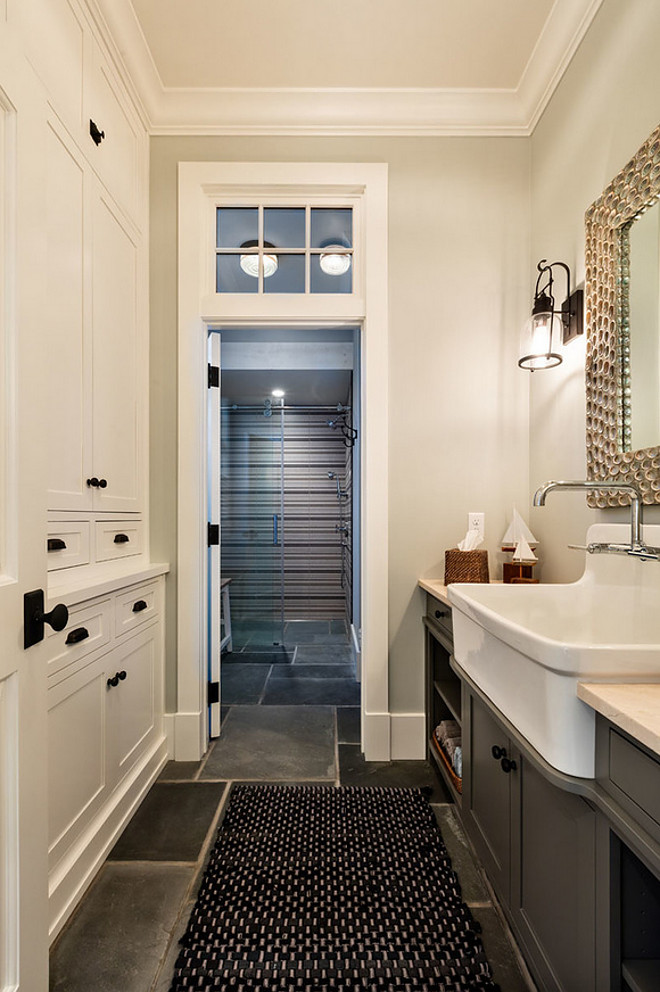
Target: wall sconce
[{"x": 544, "y": 318}]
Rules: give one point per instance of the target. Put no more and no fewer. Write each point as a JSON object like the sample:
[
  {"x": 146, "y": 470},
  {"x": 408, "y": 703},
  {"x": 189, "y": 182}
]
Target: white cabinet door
[
  {"x": 134, "y": 703},
  {"x": 116, "y": 405},
  {"x": 67, "y": 324},
  {"x": 118, "y": 156},
  {"x": 23, "y": 415}
]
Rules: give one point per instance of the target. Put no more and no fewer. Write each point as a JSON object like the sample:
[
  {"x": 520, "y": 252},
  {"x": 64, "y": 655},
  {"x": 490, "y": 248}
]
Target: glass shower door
[{"x": 252, "y": 524}]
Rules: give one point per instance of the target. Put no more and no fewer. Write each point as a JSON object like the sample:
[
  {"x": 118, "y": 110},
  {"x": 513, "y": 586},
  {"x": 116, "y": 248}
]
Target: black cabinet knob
[
  {"x": 508, "y": 765},
  {"x": 121, "y": 676},
  {"x": 440, "y": 613},
  {"x": 112, "y": 682},
  {"x": 498, "y": 752},
  {"x": 77, "y": 635},
  {"x": 96, "y": 135},
  {"x": 93, "y": 483},
  {"x": 103, "y": 483}
]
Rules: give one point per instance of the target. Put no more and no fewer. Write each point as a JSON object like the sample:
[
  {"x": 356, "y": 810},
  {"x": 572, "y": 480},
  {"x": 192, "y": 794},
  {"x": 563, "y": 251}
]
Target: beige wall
[
  {"x": 605, "y": 107},
  {"x": 459, "y": 286}
]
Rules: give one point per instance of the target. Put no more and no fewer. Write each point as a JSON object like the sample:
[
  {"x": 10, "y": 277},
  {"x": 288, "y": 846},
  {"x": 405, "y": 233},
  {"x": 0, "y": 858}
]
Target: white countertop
[
  {"x": 436, "y": 588},
  {"x": 632, "y": 706},
  {"x": 67, "y": 589}
]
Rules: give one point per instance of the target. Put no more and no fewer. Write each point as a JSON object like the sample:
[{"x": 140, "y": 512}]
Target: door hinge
[
  {"x": 214, "y": 376},
  {"x": 213, "y": 534},
  {"x": 213, "y": 693}
]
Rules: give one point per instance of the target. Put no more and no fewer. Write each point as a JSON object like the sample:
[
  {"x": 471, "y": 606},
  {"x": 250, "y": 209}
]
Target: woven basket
[{"x": 466, "y": 566}]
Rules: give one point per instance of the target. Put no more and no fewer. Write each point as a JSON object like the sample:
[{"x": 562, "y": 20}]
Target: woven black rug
[{"x": 314, "y": 888}]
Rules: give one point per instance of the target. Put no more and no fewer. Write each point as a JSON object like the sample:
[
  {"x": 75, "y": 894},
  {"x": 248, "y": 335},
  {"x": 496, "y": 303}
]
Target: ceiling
[
  {"x": 345, "y": 67},
  {"x": 435, "y": 43}
]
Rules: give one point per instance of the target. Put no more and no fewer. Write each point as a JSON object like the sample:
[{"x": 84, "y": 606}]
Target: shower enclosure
[{"x": 286, "y": 518}]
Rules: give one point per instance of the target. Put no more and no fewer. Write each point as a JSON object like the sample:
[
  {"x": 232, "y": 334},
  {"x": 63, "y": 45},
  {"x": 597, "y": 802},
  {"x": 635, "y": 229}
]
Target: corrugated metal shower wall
[{"x": 315, "y": 564}]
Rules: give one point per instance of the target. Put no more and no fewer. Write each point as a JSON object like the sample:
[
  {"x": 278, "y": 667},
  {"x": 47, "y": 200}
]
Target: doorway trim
[{"x": 201, "y": 186}]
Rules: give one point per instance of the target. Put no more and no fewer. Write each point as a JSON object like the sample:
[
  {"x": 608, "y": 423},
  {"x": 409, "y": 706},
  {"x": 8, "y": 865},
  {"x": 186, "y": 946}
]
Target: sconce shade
[{"x": 544, "y": 317}]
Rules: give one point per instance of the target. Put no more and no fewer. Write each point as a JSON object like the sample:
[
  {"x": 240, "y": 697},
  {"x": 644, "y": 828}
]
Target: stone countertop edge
[
  {"x": 91, "y": 586},
  {"x": 632, "y": 706},
  {"x": 439, "y": 589}
]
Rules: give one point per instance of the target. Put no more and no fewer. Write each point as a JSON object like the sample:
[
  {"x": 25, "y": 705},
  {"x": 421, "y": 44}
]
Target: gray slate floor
[{"x": 124, "y": 935}]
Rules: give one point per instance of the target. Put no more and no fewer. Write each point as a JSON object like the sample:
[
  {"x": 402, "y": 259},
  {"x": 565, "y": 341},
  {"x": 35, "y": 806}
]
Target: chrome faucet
[{"x": 636, "y": 546}]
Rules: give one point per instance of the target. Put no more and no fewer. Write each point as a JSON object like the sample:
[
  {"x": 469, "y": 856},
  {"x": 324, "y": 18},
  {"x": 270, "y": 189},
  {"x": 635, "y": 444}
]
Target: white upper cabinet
[
  {"x": 117, "y": 151},
  {"x": 68, "y": 332},
  {"x": 116, "y": 361},
  {"x": 56, "y": 44}
]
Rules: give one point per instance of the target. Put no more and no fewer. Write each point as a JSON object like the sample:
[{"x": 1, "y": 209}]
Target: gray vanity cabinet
[
  {"x": 537, "y": 843},
  {"x": 487, "y": 797}
]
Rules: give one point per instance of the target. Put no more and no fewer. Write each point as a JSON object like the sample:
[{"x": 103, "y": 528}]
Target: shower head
[{"x": 332, "y": 475}]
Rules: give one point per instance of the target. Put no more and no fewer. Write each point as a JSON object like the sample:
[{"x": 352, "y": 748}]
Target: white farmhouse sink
[{"x": 527, "y": 646}]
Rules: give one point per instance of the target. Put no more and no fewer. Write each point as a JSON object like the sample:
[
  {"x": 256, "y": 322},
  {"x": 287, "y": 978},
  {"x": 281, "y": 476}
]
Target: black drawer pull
[
  {"x": 56, "y": 544},
  {"x": 77, "y": 635},
  {"x": 140, "y": 605},
  {"x": 96, "y": 135},
  {"x": 112, "y": 682},
  {"x": 122, "y": 538}
]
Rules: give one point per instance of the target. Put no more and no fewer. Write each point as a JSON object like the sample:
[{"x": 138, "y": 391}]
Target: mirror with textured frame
[{"x": 623, "y": 336}]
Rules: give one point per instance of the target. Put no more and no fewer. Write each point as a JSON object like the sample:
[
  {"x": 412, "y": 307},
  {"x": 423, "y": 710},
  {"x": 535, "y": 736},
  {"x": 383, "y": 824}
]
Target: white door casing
[
  {"x": 214, "y": 576},
  {"x": 202, "y": 186},
  {"x": 23, "y": 811}
]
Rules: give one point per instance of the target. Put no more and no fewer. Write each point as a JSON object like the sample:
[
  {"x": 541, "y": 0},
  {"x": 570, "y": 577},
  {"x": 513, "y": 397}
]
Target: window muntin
[{"x": 284, "y": 249}]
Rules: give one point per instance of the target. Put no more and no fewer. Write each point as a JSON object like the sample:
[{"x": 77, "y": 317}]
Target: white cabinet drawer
[
  {"x": 118, "y": 539},
  {"x": 135, "y": 606},
  {"x": 89, "y": 628},
  {"x": 68, "y": 544}
]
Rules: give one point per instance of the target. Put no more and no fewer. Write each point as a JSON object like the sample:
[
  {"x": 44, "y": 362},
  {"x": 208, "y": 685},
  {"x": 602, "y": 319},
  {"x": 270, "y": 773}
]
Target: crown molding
[{"x": 341, "y": 111}]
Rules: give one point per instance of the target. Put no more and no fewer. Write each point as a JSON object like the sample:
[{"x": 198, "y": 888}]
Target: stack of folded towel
[{"x": 448, "y": 736}]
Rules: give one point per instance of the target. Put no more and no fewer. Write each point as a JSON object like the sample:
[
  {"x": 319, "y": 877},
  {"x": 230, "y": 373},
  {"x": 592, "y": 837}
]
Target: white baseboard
[
  {"x": 376, "y": 736},
  {"x": 69, "y": 879},
  {"x": 188, "y": 733},
  {"x": 408, "y": 736},
  {"x": 168, "y": 730}
]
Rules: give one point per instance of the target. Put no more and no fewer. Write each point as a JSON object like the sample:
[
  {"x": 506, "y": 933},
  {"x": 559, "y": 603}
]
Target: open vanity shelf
[{"x": 443, "y": 687}]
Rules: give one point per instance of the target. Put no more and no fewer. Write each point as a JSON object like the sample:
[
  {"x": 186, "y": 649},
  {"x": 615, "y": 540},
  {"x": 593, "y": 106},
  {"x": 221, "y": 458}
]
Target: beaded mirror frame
[{"x": 607, "y": 309}]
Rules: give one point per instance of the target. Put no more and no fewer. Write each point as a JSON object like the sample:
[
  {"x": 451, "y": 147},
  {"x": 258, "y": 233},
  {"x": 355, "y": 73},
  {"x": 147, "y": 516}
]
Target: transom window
[{"x": 283, "y": 249}]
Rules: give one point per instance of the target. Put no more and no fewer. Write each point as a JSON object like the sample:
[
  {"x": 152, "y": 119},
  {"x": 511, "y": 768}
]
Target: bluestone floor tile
[
  {"x": 354, "y": 770},
  {"x": 312, "y": 692},
  {"x": 295, "y": 672},
  {"x": 472, "y": 884},
  {"x": 323, "y": 654},
  {"x": 242, "y": 684},
  {"x": 119, "y": 933},
  {"x": 171, "y": 823},
  {"x": 348, "y": 724},
  {"x": 499, "y": 951},
  {"x": 268, "y": 656},
  {"x": 179, "y": 771},
  {"x": 274, "y": 743}
]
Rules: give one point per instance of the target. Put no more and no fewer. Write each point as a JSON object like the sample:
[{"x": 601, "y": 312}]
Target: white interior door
[
  {"x": 215, "y": 629},
  {"x": 23, "y": 810}
]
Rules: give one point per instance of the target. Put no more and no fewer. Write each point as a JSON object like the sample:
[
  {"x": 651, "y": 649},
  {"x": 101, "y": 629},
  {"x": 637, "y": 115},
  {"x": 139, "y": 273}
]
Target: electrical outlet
[{"x": 477, "y": 521}]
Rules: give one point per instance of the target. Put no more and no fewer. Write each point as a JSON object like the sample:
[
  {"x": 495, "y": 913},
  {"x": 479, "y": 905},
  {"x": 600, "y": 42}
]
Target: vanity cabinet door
[
  {"x": 487, "y": 792},
  {"x": 553, "y": 881}
]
